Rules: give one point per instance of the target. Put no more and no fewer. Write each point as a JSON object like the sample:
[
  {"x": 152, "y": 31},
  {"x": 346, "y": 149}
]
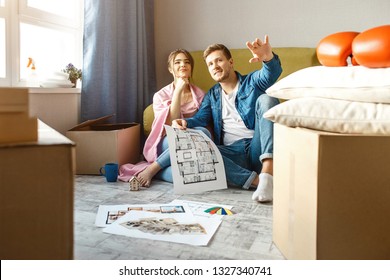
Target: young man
[{"x": 236, "y": 105}]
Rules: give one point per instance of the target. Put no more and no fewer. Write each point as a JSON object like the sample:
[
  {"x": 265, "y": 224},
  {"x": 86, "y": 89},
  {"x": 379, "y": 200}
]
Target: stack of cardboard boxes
[
  {"x": 36, "y": 184},
  {"x": 15, "y": 123}
]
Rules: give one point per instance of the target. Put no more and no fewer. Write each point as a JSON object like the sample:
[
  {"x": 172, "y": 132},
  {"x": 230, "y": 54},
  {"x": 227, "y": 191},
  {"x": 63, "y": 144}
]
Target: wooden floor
[{"x": 245, "y": 235}]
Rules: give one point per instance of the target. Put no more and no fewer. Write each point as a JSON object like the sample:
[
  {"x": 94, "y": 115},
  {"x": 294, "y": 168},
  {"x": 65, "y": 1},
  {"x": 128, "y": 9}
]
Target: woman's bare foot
[{"x": 145, "y": 177}]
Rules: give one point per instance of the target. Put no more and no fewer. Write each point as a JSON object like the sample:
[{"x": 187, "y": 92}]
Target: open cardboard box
[
  {"x": 98, "y": 143},
  {"x": 331, "y": 195}
]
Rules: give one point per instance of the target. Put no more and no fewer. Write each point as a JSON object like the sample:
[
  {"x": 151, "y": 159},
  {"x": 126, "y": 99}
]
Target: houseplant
[{"x": 74, "y": 73}]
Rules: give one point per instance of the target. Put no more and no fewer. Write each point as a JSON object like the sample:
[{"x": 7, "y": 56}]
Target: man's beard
[{"x": 225, "y": 75}]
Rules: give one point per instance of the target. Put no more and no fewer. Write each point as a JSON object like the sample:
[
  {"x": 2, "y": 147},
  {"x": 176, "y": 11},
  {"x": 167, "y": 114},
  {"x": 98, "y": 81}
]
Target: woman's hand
[
  {"x": 181, "y": 84},
  {"x": 180, "y": 124}
]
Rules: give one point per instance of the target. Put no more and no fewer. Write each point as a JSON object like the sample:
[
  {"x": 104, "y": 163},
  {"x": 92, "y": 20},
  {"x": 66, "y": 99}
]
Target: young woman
[{"x": 179, "y": 99}]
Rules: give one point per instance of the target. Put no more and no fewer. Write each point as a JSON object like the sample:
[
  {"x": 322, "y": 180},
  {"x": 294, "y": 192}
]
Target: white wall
[
  {"x": 59, "y": 108},
  {"x": 195, "y": 24}
]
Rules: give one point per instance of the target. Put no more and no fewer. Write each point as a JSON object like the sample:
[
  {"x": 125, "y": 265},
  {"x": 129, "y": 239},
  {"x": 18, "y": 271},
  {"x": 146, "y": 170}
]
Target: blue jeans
[
  {"x": 243, "y": 159},
  {"x": 164, "y": 159}
]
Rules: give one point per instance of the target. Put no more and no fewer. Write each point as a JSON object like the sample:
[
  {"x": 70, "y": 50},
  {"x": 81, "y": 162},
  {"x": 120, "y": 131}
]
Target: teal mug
[{"x": 110, "y": 171}]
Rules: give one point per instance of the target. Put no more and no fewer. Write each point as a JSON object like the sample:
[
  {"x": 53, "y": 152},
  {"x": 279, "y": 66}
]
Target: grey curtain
[{"x": 119, "y": 62}]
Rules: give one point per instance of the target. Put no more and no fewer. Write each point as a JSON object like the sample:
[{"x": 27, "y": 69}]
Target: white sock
[{"x": 264, "y": 191}]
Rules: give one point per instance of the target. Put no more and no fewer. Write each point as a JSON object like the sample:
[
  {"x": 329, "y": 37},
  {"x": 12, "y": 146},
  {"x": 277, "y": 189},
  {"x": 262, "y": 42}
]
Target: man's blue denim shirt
[{"x": 252, "y": 86}]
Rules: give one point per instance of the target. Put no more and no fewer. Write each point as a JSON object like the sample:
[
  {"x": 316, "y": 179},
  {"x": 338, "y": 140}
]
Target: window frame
[
  {"x": 25, "y": 10},
  {"x": 16, "y": 12},
  {"x": 6, "y": 14}
]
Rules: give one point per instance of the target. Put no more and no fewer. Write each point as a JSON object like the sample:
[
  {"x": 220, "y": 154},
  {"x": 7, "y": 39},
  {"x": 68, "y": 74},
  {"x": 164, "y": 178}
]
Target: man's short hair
[{"x": 217, "y": 47}]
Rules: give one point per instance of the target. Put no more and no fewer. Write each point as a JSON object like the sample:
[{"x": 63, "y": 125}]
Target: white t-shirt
[{"x": 233, "y": 126}]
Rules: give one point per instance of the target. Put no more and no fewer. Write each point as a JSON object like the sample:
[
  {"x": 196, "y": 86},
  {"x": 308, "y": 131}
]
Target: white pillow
[
  {"x": 333, "y": 115},
  {"x": 354, "y": 83}
]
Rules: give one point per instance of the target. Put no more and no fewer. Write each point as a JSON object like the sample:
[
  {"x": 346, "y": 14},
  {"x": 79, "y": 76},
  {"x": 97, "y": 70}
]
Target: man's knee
[{"x": 265, "y": 102}]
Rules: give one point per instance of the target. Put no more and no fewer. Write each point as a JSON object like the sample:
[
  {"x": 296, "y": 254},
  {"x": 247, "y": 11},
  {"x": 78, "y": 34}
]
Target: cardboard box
[
  {"x": 331, "y": 195},
  {"x": 98, "y": 143},
  {"x": 36, "y": 198},
  {"x": 14, "y": 100},
  {"x": 17, "y": 127},
  {"x": 15, "y": 123}
]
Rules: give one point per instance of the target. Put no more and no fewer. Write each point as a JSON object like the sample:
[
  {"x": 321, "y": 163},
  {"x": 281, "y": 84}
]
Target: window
[
  {"x": 57, "y": 7},
  {"x": 2, "y": 48},
  {"x": 49, "y": 32},
  {"x": 3, "y": 56}
]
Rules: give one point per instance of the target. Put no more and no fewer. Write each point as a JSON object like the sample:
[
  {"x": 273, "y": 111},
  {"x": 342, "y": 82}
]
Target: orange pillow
[
  {"x": 334, "y": 49},
  {"x": 371, "y": 48}
]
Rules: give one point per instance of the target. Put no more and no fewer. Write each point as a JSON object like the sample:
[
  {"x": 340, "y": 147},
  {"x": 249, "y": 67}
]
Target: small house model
[{"x": 135, "y": 184}]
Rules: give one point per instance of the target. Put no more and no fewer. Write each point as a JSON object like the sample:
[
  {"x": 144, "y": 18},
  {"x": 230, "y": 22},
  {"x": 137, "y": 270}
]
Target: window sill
[{"x": 54, "y": 90}]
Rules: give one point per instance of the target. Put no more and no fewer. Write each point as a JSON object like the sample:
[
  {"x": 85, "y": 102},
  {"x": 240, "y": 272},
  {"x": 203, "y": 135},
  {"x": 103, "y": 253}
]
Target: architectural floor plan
[
  {"x": 164, "y": 226},
  {"x": 195, "y": 156},
  {"x": 196, "y": 162}
]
